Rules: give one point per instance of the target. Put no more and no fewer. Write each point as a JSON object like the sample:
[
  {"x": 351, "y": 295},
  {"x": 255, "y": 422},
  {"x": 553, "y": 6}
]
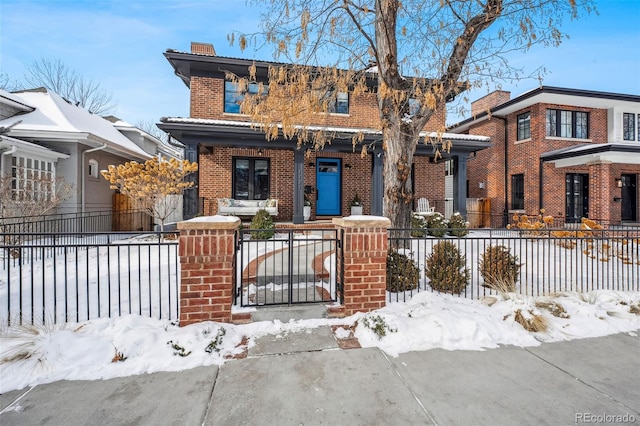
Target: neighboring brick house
[
  {"x": 574, "y": 153},
  {"x": 236, "y": 161}
]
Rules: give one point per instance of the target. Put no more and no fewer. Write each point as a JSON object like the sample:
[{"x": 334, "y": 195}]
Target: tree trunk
[{"x": 400, "y": 145}]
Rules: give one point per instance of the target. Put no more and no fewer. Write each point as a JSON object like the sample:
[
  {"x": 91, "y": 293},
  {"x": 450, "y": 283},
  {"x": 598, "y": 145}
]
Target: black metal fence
[
  {"x": 96, "y": 221},
  {"x": 290, "y": 266},
  {"x": 551, "y": 260},
  {"x": 60, "y": 277}
]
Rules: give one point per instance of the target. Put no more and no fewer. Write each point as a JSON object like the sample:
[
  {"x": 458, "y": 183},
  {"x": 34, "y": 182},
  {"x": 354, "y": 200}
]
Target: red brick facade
[
  {"x": 215, "y": 175},
  {"x": 542, "y": 178}
]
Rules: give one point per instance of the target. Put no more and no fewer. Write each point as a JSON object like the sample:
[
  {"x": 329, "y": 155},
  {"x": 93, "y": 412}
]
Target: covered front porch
[{"x": 236, "y": 161}]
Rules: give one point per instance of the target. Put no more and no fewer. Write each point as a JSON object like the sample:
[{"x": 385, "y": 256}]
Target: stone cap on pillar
[
  {"x": 362, "y": 221},
  {"x": 210, "y": 222}
]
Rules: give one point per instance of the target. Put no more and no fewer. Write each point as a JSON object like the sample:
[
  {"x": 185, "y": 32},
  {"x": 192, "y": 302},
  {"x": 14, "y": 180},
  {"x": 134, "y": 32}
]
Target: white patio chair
[{"x": 423, "y": 208}]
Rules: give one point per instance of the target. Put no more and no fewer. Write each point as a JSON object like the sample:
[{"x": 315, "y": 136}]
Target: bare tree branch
[{"x": 55, "y": 75}]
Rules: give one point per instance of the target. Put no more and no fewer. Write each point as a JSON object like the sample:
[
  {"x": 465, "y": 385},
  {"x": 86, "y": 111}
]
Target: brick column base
[
  {"x": 365, "y": 244},
  {"x": 206, "y": 250}
]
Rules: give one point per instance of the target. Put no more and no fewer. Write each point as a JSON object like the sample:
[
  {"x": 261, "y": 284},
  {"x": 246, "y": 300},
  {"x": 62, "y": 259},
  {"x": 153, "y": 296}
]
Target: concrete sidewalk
[{"x": 304, "y": 378}]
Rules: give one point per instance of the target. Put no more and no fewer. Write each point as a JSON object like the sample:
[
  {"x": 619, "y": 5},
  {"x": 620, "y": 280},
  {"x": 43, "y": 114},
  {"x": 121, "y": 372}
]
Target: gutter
[{"x": 84, "y": 174}]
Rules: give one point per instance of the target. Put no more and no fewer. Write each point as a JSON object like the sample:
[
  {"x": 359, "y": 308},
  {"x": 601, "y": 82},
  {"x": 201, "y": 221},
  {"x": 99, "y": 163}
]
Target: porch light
[{"x": 619, "y": 182}]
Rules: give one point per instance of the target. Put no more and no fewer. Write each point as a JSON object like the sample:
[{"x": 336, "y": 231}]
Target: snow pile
[{"x": 107, "y": 348}]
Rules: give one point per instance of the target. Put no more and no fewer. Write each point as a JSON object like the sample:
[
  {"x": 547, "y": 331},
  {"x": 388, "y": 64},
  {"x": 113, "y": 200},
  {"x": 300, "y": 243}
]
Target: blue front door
[{"x": 328, "y": 186}]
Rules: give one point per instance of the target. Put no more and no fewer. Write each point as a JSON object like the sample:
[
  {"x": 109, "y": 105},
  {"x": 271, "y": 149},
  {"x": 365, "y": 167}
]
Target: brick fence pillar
[
  {"x": 365, "y": 243},
  {"x": 206, "y": 250}
]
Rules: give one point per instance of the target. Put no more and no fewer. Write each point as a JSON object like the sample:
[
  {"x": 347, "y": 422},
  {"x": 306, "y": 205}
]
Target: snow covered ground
[{"x": 132, "y": 344}]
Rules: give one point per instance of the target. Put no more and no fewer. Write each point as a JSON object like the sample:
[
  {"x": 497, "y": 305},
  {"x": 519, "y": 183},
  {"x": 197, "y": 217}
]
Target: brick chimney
[
  {"x": 489, "y": 101},
  {"x": 202, "y": 48}
]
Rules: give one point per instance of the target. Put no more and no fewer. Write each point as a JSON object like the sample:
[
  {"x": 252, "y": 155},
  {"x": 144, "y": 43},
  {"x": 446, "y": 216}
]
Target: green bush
[
  {"x": 446, "y": 269},
  {"x": 499, "y": 268},
  {"x": 402, "y": 272},
  {"x": 437, "y": 225},
  {"x": 263, "y": 223},
  {"x": 418, "y": 225},
  {"x": 458, "y": 227}
]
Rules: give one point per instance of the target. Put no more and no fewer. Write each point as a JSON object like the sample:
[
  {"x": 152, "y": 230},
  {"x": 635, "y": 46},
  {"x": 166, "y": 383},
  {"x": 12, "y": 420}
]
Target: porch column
[
  {"x": 377, "y": 183},
  {"x": 364, "y": 244},
  {"x": 206, "y": 249},
  {"x": 460, "y": 185},
  {"x": 298, "y": 186}
]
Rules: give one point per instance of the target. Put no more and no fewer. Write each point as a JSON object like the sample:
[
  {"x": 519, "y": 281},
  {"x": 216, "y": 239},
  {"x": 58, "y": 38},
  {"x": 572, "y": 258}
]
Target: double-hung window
[
  {"x": 233, "y": 97},
  {"x": 338, "y": 102},
  {"x": 517, "y": 192},
  {"x": 524, "y": 126},
  {"x": 251, "y": 178},
  {"x": 567, "y": 124}
]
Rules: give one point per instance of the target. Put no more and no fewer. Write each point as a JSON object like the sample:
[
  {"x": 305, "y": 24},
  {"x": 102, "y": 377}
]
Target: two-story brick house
[
  {"x": 237, "y": 162},
  {"x": 574, "y": 153}
]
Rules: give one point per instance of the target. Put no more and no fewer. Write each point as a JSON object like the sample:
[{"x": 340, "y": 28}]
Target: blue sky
[{"x": 120, "y": 44}]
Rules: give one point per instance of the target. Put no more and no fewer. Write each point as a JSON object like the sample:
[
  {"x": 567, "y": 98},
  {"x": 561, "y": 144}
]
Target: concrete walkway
[{"x": 305, "y": 379}]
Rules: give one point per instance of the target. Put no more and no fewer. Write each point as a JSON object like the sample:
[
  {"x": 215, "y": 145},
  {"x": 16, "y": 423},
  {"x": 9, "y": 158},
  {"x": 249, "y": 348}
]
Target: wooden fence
[{"x": 126, "y": 218}]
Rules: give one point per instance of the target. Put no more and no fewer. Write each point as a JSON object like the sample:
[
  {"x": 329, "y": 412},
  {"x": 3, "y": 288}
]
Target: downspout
[
  {"x": 84, "y": 174},
  {"x": 505, "y": 213},
  {"x": 540, "y": 184},
  {"x": 9, "y": 152}
]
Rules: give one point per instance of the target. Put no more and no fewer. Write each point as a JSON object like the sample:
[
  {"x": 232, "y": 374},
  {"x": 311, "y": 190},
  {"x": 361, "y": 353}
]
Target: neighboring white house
[{"x": 40, "y": 130}]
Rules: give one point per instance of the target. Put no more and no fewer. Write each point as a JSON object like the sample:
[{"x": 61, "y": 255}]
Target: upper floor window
[
  {"x": 93, "y": 168},
  {"x": 32, "y": 179},
  {"x": 567, "y": 124},
  {"x": 629, "y": 127},
  {"x": 251, "y": 178},
  {"x": 234, "y": 97},
  {"x": 524, "y": 126},
  {"x": 337, "y": 102},
  {"x": 414, "y": 106},
  {"x": 517, "y": 192}
]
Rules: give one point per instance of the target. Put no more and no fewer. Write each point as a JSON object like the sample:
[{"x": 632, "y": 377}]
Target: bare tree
[
  {"x": 58, "y": 77},
  {"x": 152, "y": 129},
  {"x": 423, "y": 54},
  {"x": 25, "y": 198},
  {"x": 7, "y": 83}
]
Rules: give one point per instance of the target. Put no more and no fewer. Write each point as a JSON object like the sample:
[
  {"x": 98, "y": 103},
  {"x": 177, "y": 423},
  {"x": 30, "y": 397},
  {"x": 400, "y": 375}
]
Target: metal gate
[{"x": 287, "y": 266}]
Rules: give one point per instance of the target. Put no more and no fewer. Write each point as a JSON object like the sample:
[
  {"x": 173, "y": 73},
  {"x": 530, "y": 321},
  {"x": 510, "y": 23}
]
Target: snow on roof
[
  {"x": 326, "y": 128},
  {"x": 13, "y": 100},
  {"x": 54, "y": 115}
]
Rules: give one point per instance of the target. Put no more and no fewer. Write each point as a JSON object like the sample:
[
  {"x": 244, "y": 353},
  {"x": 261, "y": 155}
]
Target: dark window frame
[
  {"x": 337, "y": 106},
  {"x": 524, "y": 126},
  {"x": 557, "y": 126},
  {"x": 628, "y": 134},
  {"x": 251, "y": 179},
  {"x": 232, "y": 106},
  {"x": 517, "y": 191}
]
